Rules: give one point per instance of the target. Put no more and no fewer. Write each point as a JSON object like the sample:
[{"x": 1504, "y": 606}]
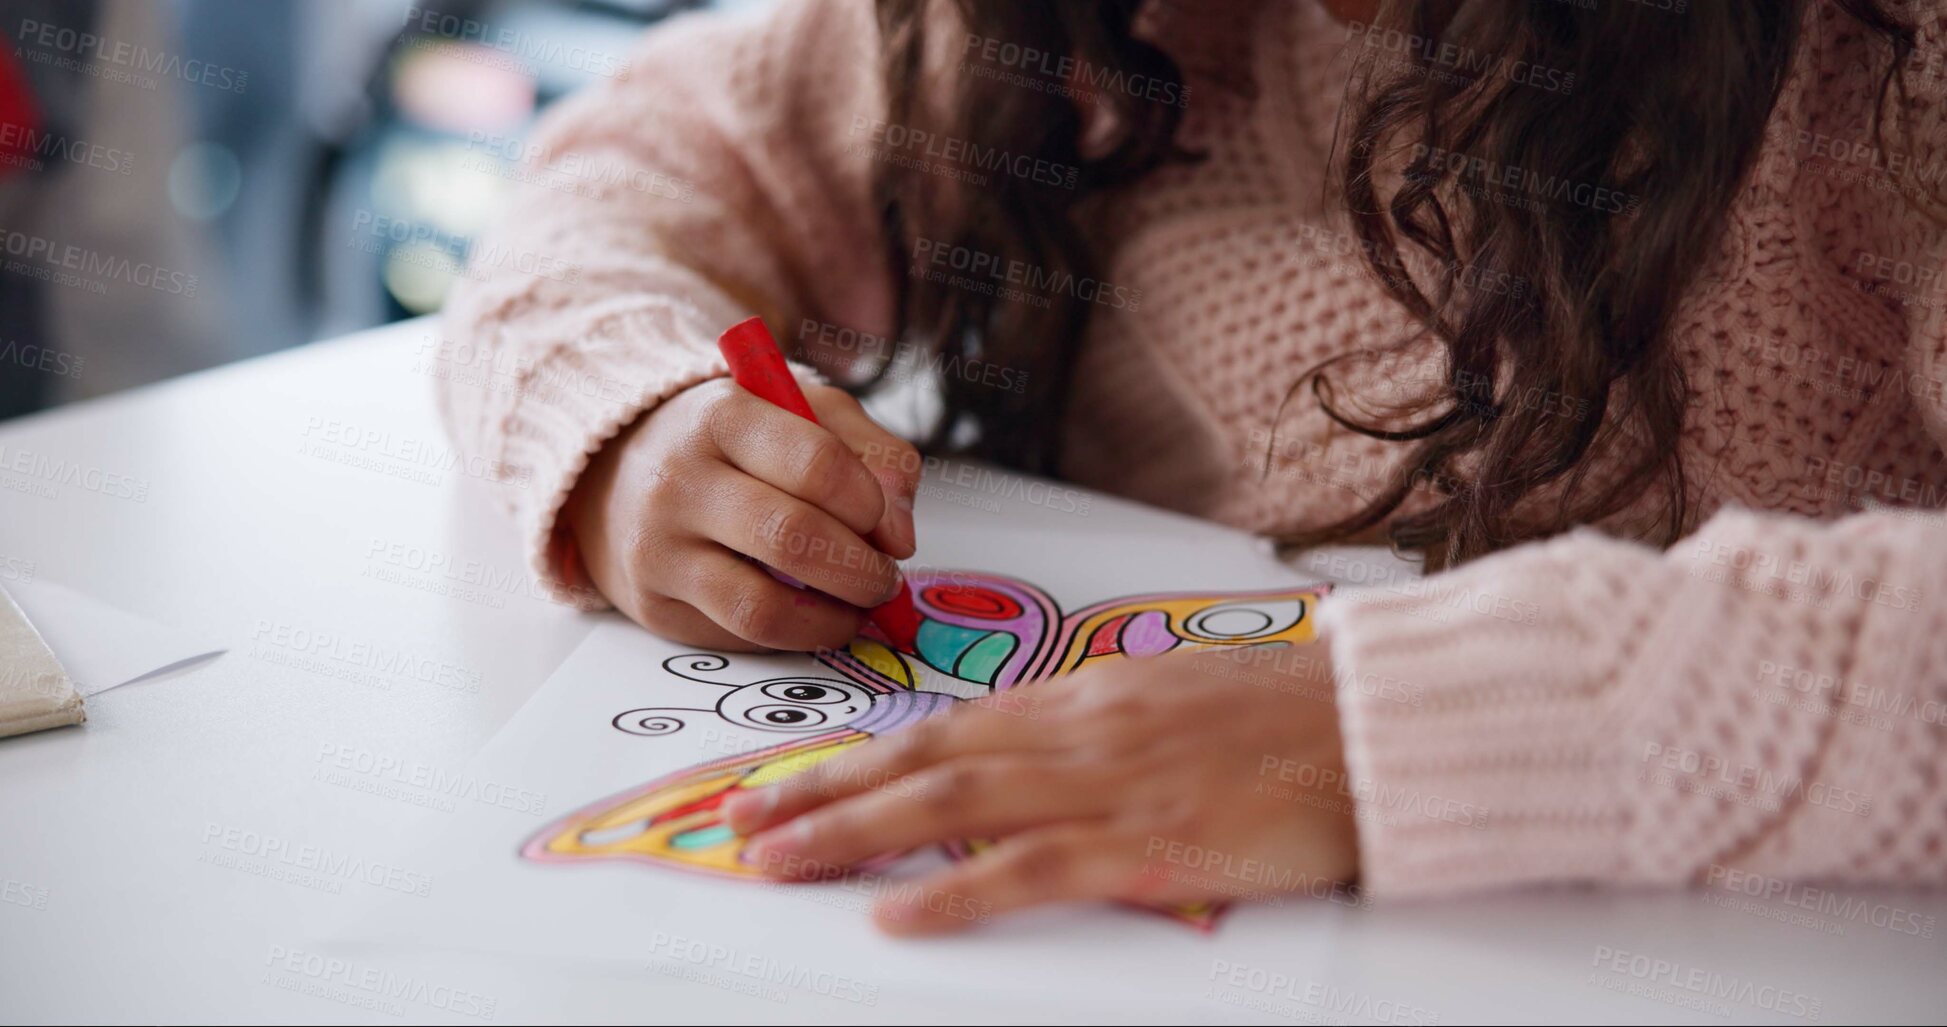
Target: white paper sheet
[
  {"x": 103, "y": 646},
  {"x": 698, "y": 946}
]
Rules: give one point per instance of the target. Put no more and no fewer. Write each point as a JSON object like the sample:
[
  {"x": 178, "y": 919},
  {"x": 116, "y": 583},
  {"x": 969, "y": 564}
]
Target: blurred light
[
  {"x": 204, "y": 180},
  {"x": 440, "y": 181},
  {"x": 461, "y": 87},
  {"x": 419, "y": 275}
]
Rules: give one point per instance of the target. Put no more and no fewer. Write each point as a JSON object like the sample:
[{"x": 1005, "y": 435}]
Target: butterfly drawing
[{"x": 979, "y": 633}]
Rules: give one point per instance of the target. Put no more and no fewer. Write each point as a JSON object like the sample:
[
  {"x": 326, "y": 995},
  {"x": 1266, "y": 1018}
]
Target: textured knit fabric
[{"x": 1769, "y": 696}]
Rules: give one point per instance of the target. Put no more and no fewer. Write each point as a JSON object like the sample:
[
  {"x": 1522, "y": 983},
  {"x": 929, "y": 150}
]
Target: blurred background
[{"x": 185, "y": 183}]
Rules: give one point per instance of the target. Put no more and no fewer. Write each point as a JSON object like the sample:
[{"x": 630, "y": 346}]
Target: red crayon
[{"x": 758, "y": 365}]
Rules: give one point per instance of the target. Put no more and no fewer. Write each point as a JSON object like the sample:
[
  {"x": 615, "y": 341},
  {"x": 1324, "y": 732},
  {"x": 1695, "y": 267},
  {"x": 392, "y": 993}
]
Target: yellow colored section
[
  {"x": 779, "y": 769},
  {"x": 883, "y": 660},
  {"x": 657, "y": 841},
  {"x": 1179, "y": 612}
]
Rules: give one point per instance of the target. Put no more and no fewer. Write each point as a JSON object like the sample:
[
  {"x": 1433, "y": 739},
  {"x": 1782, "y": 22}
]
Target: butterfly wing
[
  {"x": 1151, "y": 625},
  {"x": 977, "y": 633},
  {"x": 677, "y": 820}
]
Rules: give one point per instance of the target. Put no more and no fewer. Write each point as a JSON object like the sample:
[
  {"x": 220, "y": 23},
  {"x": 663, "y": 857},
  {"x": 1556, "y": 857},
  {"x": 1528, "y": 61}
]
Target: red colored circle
[{"x": 972, "y": 601}]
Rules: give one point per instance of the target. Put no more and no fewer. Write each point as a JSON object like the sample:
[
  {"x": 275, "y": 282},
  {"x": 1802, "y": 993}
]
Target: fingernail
[{"x": 748, "y": 809}]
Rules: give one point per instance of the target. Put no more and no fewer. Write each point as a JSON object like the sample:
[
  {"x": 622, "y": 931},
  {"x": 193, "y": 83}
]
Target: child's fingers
[
  {"x": 794, "y": 455},
  {"x": 892, "y": 460},
  {"x": 740, "y": 597},
  {"x": 794, "y": 537},
  {"x": 966, "y": 731},
  {"x": 1064, "y": 863},
  {"x": 684, "y": 624},
  {"x": 976, "y": 797}
]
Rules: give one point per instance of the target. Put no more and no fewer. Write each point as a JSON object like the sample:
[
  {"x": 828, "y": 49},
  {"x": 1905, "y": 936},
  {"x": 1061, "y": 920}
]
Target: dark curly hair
[{"x": 1669, "y": 110}]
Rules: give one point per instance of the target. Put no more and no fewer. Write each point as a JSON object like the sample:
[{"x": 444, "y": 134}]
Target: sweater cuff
[
  {"x": 1474, "y": 707},
  {"x": 581, "y": 395}
]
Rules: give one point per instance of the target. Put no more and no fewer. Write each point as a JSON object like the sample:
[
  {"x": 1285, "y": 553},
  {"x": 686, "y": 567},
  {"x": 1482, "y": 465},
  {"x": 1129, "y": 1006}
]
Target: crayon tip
[{"x": 898, "y": 619}]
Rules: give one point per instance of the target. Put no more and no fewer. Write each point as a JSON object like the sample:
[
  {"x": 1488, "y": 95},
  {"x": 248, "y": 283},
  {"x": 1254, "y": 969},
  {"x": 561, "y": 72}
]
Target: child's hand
[
  {"x": 1163, "y": 781},
  {"x": 666, "y": 512}
]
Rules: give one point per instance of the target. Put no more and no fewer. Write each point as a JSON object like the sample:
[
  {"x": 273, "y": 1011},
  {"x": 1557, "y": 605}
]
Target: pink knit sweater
[{"x": 1768, "y": 697}]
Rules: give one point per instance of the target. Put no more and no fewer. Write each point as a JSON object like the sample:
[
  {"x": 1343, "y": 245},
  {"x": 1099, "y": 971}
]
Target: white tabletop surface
[{"x": 262, "y": 526}]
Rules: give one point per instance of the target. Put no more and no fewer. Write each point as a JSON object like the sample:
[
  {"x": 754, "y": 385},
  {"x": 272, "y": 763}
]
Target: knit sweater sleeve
[
  {"x": 714, "y": 178},
  {"x": 1768, "y": 697}
]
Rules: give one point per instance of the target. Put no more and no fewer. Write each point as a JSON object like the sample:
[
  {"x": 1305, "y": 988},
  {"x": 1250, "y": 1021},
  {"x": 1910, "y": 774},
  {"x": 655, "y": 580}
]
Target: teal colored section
[
  {"x": 703, "y": 839},
  {"x": 983, "y": 662},
  {"x": 942, "y": 644}
]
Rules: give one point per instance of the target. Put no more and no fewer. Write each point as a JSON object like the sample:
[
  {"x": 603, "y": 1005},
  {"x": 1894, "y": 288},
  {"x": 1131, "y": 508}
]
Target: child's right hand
[{"x": 666, "y": 514}]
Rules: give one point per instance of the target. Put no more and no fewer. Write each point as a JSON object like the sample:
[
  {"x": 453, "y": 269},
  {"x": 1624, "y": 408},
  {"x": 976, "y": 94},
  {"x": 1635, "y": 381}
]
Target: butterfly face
[{"x": 794, "y": 704}]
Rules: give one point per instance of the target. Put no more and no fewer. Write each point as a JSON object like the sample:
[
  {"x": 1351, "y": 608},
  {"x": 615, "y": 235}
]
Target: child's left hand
[{"x": 1163, "y": 781}]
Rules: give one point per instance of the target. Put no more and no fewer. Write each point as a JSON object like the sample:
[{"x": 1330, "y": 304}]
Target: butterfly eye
[
  {"x": 786, "y": 718},
  {"x": 806, "y": 692},
  {"x": 1241, "y": 622}
]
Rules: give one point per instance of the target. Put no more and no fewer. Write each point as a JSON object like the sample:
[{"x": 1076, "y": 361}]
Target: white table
[{"x": 257, "y": 528}]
